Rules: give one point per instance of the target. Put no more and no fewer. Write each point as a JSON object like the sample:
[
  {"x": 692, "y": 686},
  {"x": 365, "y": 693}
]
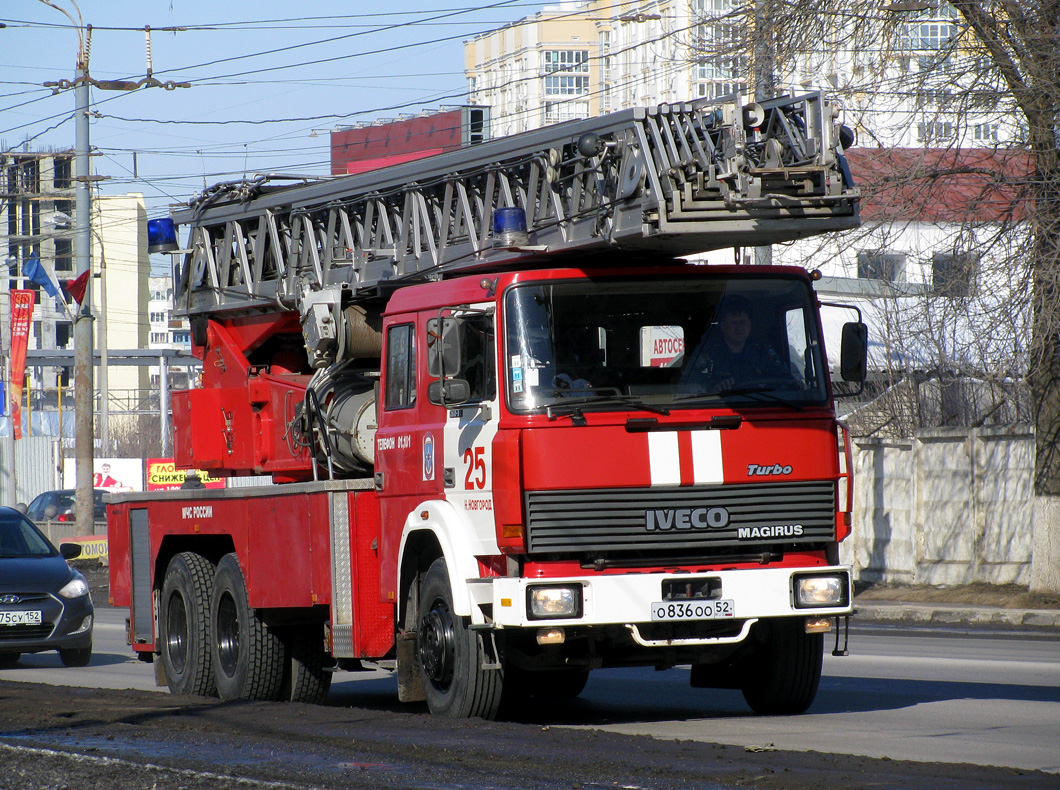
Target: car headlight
[
  {"x": 75, "y": 588},
  {"x": 821, "y": 590},
  {"x": 554, "y": 601}
]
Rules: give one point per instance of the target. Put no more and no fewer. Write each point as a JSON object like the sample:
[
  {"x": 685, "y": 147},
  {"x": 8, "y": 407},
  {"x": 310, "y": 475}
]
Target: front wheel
[
  {"x": 248, "y": 657},
  {"x": 451, "y": 656},
  {"x": 783, "y": 674}
]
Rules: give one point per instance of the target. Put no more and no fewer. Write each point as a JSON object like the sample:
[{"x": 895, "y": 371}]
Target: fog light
[
  {"x": 548, "y": 603},
  {"x": 551, "y": 636},
  {"x": 85, "y": 625},
  {"x": 815, "y": 591},
  {"x": 818, "y": 625}
]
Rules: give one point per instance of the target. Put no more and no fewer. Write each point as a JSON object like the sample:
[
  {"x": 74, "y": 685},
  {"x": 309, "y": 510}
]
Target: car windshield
[
  {"x": 19, "y": 538},
  {"x": 663, "y": 343}
]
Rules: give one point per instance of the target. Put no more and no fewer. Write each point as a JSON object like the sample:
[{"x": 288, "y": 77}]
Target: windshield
[
  {"x": 662, "y": 343},
  {"x": 19, "y": 538}
]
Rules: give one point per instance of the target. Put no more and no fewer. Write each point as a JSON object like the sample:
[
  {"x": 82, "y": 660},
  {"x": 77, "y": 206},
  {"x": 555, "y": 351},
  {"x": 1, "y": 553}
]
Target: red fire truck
[{"x": 510, "y": 434}]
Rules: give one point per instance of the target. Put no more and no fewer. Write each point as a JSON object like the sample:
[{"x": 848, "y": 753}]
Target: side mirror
[
  {"x": 449, "y": 392},
  {"x": 443, "y": 346},
  {"x": 854, "y": 351},
  {"x": 70, "y": 551}
]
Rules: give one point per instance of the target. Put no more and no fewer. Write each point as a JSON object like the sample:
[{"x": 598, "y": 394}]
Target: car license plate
[
  {"x": 692, "y": 610},
  {"x": 20, "y": 618}
]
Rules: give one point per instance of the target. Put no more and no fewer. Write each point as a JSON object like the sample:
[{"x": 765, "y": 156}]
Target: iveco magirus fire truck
[{"x": 506, "y": 436}]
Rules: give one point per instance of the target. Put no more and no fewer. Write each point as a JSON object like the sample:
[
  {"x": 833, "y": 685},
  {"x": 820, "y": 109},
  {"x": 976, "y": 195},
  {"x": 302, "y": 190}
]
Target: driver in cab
[{"x": 728, "y": 358}]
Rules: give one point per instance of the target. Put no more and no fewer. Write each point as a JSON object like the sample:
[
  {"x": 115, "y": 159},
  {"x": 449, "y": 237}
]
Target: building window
[
  {"x": 954, "y": 273},
  {"x": 986, "y": 132},
  {"x": 566, "y": 85},
  {"x": 62, "y": 334},
  {"x": 934, "y": 131},
  {"x": 64, "y": 255},
  {"x": 569, "y": 60},
  {"x": 62, "y": 178},
  {"x": 559, "y": 111},
  {"x": 881, "y": 265},
  {"x": 927, "y": 35}
]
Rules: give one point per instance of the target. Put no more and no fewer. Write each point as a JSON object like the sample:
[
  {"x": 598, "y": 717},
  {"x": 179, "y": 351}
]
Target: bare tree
[
  {"x": 136, "y": 436},
  {"x": 967, "y": 74}
]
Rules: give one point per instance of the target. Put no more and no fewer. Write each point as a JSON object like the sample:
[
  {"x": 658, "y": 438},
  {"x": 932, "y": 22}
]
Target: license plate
[
  {"x": 692, "y": 610},
  {"x": 20, "y": 618}
]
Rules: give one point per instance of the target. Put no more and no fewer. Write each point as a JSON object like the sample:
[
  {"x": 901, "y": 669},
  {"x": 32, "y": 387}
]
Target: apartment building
[{"x": 37, "y": 232}]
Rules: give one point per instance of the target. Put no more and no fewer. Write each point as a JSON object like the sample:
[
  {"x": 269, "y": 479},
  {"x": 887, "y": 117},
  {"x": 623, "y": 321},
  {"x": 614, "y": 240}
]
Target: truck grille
[{"x": 659, "y": 520}]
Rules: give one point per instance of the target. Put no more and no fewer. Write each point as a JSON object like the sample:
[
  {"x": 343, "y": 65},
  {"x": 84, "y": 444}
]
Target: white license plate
[
  {"x": 20, "y": 618},
  {"x": 692, "y": 610}
]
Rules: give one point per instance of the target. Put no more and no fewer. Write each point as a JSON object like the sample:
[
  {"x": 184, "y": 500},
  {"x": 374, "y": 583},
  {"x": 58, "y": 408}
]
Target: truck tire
[
  {"x": 782, "y": 677},
  {"x": 306, "y": 677},
  {"x": 247, "y": 655},
  {"x": 184, "y": 625},
  {"x": 451, "y": 655}
]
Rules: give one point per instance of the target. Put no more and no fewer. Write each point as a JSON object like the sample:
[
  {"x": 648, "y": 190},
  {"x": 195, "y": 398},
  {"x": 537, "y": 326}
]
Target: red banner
[{"x": 21, "y": 320}]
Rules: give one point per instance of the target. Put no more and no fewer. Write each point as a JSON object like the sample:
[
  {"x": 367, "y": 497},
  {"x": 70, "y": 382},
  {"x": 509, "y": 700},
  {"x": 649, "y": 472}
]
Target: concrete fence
[{"x": 947, "y": 506}]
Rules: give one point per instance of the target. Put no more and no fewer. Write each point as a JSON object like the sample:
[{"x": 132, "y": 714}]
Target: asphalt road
[{"x": 948, "y": 695}]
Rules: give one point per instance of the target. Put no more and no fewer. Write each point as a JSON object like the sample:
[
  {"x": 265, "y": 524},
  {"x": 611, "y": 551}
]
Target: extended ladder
[{"x": 674, "y": 179}]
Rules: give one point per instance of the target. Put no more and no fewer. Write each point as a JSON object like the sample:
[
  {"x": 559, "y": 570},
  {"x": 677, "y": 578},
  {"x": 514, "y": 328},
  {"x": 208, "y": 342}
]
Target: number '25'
[{"x": 475, "y": 460}]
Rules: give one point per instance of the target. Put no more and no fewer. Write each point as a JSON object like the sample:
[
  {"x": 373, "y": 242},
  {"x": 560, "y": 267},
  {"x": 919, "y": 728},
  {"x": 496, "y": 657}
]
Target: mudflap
[{"x": 410, "y": 679}]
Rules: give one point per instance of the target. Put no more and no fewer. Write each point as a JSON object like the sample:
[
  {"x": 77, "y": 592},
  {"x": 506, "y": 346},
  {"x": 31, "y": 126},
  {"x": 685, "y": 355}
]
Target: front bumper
[
  {"x": 65, "y": 624},
  {"x": 627, "y": 598}
]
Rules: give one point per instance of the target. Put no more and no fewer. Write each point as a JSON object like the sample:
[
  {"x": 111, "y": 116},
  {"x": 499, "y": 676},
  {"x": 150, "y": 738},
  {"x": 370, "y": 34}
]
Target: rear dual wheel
[
  {"x": 247, "y": 656},
  {"x": 184, "y": 625},
  {"x": 213, "y": 644}
]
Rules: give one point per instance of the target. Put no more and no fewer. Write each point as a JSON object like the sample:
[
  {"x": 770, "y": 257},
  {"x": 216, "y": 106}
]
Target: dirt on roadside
[{"x": 1002, "y": 596}]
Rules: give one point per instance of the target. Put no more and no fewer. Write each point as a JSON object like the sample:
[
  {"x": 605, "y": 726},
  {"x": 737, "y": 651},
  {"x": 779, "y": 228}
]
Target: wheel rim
[
  {"x": 177, "y": 632},
  {"x": 436, "y": 645},
  {"x": 228, "y": 634}
]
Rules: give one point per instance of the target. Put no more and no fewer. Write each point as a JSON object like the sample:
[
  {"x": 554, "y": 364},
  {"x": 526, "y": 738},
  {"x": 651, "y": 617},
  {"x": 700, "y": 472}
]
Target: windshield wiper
[
  {"x": 574, "y": 405},
  {"x": 761, "y": 393}
]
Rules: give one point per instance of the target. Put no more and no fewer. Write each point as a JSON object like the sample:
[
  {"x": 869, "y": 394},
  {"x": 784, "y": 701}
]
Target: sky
[{"x": 268, "y": 80}]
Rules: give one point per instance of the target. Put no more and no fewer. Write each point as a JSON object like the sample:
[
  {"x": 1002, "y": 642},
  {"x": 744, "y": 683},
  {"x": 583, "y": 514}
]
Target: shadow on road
[{"x": 630, "y": 696}]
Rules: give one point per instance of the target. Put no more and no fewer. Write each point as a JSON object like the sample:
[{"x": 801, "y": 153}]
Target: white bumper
[{"x": 627, "y": 598}]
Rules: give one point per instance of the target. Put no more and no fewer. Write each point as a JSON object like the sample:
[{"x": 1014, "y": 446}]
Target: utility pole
[
  {"x": 84, "y": 331},
  {"x": 84, "y": 390}
]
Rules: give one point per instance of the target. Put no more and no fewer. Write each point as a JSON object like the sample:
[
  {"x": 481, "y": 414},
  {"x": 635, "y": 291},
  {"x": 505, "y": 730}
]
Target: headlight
[
  {"x": 75, "y": 588},
  {"x": 552, "y": 602},
  {"x": 818, "y": 591}
]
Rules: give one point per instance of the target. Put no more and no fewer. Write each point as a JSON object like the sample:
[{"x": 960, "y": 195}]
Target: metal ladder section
[{"x": 672, "y": 179}]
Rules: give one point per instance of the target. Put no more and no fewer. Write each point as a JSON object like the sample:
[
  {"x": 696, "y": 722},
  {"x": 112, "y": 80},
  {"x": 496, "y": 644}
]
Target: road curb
[{"x": 955, "y": 614}]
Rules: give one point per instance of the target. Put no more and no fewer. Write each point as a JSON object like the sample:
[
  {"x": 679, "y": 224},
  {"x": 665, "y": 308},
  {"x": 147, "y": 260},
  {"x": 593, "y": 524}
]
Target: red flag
[{"x": 77, "y": 287}]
